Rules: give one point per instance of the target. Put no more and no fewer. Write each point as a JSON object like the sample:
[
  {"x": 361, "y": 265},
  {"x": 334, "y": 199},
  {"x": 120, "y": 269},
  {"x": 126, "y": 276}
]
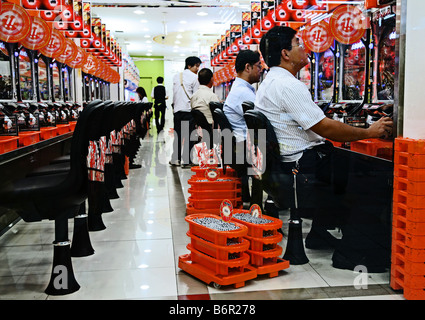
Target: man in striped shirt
[{"x": 301, "y": 127}]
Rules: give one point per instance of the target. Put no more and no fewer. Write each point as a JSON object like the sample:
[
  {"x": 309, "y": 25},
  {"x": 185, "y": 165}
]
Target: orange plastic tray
[
  {"x": 219, "y": 184},
  {"x": 411, "y": 214},
  {"x": 411, "y": 174},
  {"x": 260, "y": 230},
  {"x": 408, "y": 240},
  {"x": 374, "y": 147},
  {"x": 261, "y": 244},
  {"x": 408, "y": 267},
  {"x": 414, "y": 255},
  {"x": 201, "y": 204},
  {"x": 48, "y": 133},
  {"x": 416, "y": 188},
  {"x": 259, "y": 258},
  {"x": 409, "y": 200},
  {"x": 411, "y": 160},
  {"x": 191, "y": 210},
  {"x": 72, "y": 125},
  {"x": 63, "y": 128},
  {"x": 218, "y": 252},
  {"x": 219, "y": 267},
  {"x": 411, "y": 227},
  {"x": 217, "y": 194},
  {"x": 409, "y": 145},
  {"x": 28, "y": 138},
  {"x": 200, "y": 172},
  {"x": 235, "y": 278},
  {"x": 8, "y": 144},
  {"x": 220, "y": 238}
]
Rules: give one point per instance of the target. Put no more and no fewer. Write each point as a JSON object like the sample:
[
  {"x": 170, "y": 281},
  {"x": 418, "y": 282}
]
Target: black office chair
[
  {"x": 277, "y": 184},
  {"x": 201, "y": 121},
  {"x": 57, "y": 197}
]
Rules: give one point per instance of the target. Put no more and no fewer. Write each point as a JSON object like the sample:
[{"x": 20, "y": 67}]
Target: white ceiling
[{"x": 150, "y": 28}]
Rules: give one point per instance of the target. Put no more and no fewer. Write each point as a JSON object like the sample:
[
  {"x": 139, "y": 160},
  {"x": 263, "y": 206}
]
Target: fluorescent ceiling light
[
  {"x": 144, "y": 21},
  {"x": 183, "y": 22},
  {"x": 202, "y": 14},
  {"x": 139, "y": 12}
]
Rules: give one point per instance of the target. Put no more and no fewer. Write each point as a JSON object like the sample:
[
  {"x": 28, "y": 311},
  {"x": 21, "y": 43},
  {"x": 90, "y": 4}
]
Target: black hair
[
  {"x": 160, "y": 79},
  {"x": 142, "y": 92},
  {"x": 205, "y": 76},
  {"x": 244, "y": 57},
  {"x": 192, "y": 61},
  {"x": 273, "y": 42}
]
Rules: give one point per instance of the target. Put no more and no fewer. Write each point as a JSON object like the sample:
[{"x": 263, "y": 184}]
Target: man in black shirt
[{"x": 159, "y": 94}]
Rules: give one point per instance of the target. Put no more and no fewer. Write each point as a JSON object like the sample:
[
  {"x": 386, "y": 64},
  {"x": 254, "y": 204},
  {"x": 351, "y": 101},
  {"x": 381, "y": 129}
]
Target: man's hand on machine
[{"x": 383, "y": 128}]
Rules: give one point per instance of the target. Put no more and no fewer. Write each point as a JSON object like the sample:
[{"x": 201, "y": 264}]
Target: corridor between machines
[{"x": 136, "y": 256}]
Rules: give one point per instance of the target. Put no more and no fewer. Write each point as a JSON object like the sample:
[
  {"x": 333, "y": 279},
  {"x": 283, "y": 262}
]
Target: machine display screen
[
  {"x": 25, "y": 74},
  {"x": 42, "y": 80},
  {"x": 353, "y": 78},
  {"x": 386, "y": 65},
  {"x": 56, "y": 82},
  {"x": 5, "y": 74},
  {"x": 326, "y": 76},
  {"x": 66, "y": 84}
]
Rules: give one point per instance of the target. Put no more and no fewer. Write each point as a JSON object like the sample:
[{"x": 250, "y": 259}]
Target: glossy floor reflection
[{"x": 136, "y": 256}]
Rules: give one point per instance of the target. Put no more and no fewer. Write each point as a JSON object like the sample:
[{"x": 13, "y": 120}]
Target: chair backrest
[
  {"x": 256, "y": 120},
  {"x": 80, "y": 142},
  {"x": 215, "y": 105},
  {"x": 248, "y": 105},
  {"x": 200, "y": 120},
  {"x": 221, "y": 119}
]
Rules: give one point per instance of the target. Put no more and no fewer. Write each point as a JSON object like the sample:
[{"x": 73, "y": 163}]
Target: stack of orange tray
[
  {"x": 217, "y": 257},
  {"x": 408, "y": 237},
  {"x": 264, "y": 249},
  {"x": 206, "y": 193}
]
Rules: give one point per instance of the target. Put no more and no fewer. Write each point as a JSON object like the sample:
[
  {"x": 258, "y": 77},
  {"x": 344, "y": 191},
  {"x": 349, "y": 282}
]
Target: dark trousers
[
  {"x": 159, "y": 117},
  {"x": 184, "y": 127}
]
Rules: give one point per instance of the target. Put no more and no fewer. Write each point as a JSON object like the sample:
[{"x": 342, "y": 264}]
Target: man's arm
[{"x": 341, "y": 132}]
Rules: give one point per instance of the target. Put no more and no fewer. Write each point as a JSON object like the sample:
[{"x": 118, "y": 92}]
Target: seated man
[
  {"x": 300, "y": 125},
  {"x": 248, "y": 68},
  {"x": 204, "y": 95}
]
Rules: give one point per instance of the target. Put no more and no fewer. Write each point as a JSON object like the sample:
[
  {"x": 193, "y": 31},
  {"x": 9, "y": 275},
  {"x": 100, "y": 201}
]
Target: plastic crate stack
[
  {"x": 209, "y": 186},
  {"x": 263, "y": 238},
  {"x": 408, "y": 245},
  {"x": 217, "y": 257}
]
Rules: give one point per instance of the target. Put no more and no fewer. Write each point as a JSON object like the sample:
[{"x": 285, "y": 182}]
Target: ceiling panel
[{"x": 172, "y": 29}]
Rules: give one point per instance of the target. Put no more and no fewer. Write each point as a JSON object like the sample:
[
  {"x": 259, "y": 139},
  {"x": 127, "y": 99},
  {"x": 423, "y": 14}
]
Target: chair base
[
  {"x": 95, "y": 222},
  {"x": 81, "y": 244},
  {"x": 62, "y": 279},
  {"x": 295, "y": 252}
]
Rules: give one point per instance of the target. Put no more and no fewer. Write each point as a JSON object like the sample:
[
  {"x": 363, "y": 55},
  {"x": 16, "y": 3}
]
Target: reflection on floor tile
[{"x": 137, "y": 255}]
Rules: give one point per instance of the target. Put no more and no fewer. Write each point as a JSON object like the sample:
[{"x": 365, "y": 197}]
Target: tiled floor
[{"x": 136, "y": 256}]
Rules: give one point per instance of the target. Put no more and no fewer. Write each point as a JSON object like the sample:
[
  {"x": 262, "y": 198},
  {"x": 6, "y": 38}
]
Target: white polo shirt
[
  {"x": 190, "y": 81},
  {"x": 288, "y": 105}
]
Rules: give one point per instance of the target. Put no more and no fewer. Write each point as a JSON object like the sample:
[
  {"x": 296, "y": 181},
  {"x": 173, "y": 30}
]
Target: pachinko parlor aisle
[{"x": 92, "y": 207}]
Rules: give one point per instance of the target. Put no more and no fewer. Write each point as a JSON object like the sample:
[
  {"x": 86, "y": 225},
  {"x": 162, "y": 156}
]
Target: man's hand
[{"x": 383, "y": 128}]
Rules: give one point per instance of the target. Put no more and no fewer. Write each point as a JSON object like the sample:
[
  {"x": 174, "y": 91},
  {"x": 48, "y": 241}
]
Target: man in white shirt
[
  {"x": 248, "y": 68},
  {"x": 184, "y": 86},
  {"x": 300, "y": 125}
]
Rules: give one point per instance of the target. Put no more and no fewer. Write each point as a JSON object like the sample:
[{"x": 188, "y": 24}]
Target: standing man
[
  {"x": 248, "y": 69},
  {"x": 159, "y": 94},
  {"x": 184, "y": 86}
]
